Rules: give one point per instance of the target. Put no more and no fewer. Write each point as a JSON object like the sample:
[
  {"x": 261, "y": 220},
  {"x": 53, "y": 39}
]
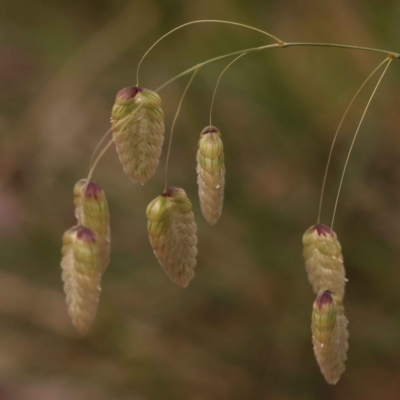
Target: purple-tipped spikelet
[
  {"x": 138, "y": 124},
  {"x": 211, "y": 173},
  {"x": 91, "y": 211},
  {"x": 81, "y": 275},
  {"x": 330, "y": 335},
  {"x": 172, "y": 232},
  {"x": 324, "y": 261}
]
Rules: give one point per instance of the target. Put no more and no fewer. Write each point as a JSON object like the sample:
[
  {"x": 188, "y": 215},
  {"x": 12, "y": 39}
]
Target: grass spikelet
[
  {"x": 81, "y": 275},
  {"x": 322, "y": 253},
  {"x": 211, "y": 173},
  {"x": 172, "y": 232},
  {"x": 91, "y": 211},
  {"x": 139, "y": 137},
  {"x": 330, "y": 335}
]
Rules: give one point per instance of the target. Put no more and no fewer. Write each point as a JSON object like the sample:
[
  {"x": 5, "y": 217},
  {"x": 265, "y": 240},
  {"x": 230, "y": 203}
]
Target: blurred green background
[{"x": 242, "y": 328}]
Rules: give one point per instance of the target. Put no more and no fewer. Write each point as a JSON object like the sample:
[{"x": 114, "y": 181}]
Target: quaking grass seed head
[
  {"x": 138, "y": 125},
  {"x": 211, "y": 173},
  {"x": 322, "y": 253},
  {"x": 172, "y": 233},
  {"x": 330, "y": 335},
  {"x": 91, "y": 210},
  {"x": 81, "y": 275}
]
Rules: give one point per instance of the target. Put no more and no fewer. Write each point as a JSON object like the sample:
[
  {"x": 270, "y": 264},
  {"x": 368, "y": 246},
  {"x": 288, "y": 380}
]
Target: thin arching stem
[
  {"x": 354, "y": 139},
  {"x": 199, "y": 22},
  {"x": 123, "y": 123},
  {"x": 98, "y": 145},
  {"x": 173, "y": 125},
  {"x": 101, "y": 154},
  {"x": 336, "y": 135},
  {"x": 392, "y": 54},
  {"x": 343, "y": 46},
  {"x": 197, "y": 66},
  {"x": 219, "y": 78}
]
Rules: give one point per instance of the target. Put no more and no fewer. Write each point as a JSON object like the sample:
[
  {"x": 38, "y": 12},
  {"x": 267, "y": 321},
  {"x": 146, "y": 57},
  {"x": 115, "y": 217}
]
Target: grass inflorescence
[{"x": 138, "y": 134}]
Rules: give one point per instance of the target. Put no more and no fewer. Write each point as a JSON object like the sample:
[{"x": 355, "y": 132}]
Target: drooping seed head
[
  {"x": 324, "y": 261},
  {"x": 91, "y": 210},
  {"x": 81, "y": 275},
  {"x": 211, "y": 173},
  {"x": 138, "y": 125},
  {"x": 172, "y": 233},
  {"x": 330, "y": 335}
]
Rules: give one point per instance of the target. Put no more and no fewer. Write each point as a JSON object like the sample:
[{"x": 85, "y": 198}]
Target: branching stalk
[
  {"x": 219, "y": 78},
  {"x": 391, "y": 54},
  {"x": 198, "y": 22},
  {"x": 173, "y": 125},
  {"x": 355, "y": 137},
  {"x": 336, "y": 135}
]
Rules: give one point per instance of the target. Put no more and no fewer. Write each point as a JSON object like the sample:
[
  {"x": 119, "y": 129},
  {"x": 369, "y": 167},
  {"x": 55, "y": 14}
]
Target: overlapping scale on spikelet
[
  {"x": 172, "y": 232},
  {"x": 211, "y": 173},
  {"x": 138, "y": 125},
  {"x": 91, "y": 211},
  {"x": 330, "y": 335},
  {"x": 81, "y": 275},
  {"x": 322, "y": 253}
]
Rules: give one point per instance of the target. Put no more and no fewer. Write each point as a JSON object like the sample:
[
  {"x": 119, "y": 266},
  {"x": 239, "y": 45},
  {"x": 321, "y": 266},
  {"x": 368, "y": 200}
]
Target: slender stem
[
  {"x": 98, "y": 145},
  {"x": 101, "y": 154},
  {"x": 173, "y": 125},
  {"x": 391, "y": 54},
  {"x": 354, "y": 139},
  {"x": 336, "y": 135},
  {"x": 343, "y": 46},
  {"x": 123, "y": 123},
  {"x": 198, "y": 22},
  {"x": 235, "y": 53},
  {"x": 219, "y": 78}
]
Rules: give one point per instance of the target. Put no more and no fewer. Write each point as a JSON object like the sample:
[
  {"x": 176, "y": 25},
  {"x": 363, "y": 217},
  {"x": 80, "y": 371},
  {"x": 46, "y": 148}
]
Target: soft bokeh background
[{"x": 242, "y": 328}]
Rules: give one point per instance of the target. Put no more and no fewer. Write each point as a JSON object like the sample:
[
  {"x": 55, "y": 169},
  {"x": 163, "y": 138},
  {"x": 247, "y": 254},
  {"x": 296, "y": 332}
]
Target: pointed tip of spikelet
[{"x": 127, "y": 94}]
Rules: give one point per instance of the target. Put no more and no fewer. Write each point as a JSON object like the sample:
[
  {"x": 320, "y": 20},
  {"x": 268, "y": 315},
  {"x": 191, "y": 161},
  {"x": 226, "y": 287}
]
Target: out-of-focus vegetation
[{"x": 242, "y": 328}]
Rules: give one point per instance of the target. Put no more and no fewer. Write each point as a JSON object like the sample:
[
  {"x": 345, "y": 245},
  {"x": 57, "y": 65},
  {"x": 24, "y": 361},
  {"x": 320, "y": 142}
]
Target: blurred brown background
[{"x": 242, "y": 329}]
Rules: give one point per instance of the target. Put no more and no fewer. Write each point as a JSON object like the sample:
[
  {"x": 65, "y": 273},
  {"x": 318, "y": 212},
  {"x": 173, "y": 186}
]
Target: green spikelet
[
  {"x": 91, "y": 211},
  {"x": 211, "y": 173},
  {"x": 330, "y": 335},
  {"x": 324, "y": 261},
  {"x": 172, "y": 232},
  {"x": 138, "y": 137},
  {"x": 81, "y": 275}
]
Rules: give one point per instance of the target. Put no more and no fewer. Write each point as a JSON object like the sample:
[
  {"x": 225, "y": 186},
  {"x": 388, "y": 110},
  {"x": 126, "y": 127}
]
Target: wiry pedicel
[
  {"x": 322, "y": 253},
  {"x": 330, "y": 335},
  {"x": 172, "y": 232},
  {"x": 138, "y": 124},
  {"x": 211, "y": 173},
  {"x": 81, "y": 275}
]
